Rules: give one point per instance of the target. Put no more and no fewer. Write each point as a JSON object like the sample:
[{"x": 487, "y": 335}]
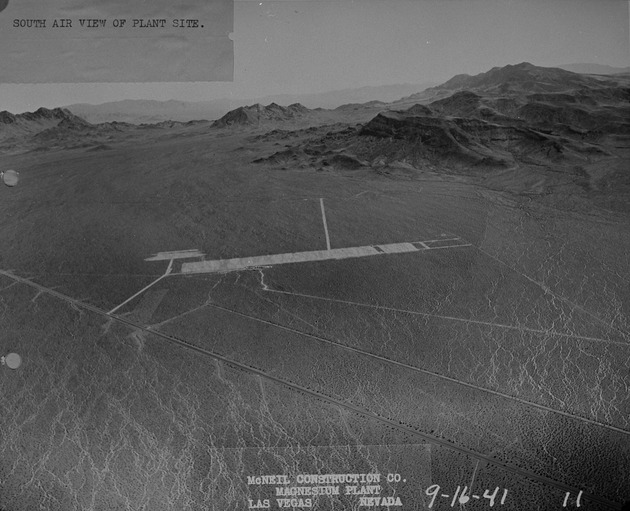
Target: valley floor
[{"x": 500, "y": 362}]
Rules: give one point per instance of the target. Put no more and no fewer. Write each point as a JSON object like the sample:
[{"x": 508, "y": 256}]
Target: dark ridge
[
  {"x": 523, "y": 76},
  {"x": 7, "y": 117},
  {"x": 253, "y": 114}
]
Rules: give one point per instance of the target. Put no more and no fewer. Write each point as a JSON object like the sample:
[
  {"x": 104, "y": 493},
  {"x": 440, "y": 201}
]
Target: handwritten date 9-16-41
[{"x": 461, "y": 497}]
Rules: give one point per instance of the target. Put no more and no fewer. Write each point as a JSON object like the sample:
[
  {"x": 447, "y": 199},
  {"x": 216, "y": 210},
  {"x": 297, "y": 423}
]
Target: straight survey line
[
  {"x": 425, "y": 371},
  {"x": 451, "y": 318},
  {"x": 168, "y": 271},
  {"x": 548, "y": 290},
  {"x": 313, "y": 393},
  {"x": 321, "y": 203},
  {"x": 545, "y": 288}
]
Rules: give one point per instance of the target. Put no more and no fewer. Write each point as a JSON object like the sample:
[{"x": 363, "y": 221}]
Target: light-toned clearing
[
  {"x": 241, "y": 263},
  {"x": 178, "y": 254},
  {"x": 397, "y": 248}
]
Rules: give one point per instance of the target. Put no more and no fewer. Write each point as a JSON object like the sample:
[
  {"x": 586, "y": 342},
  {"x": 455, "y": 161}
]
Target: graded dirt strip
[
  {"x": 241, "y": 263},
  {"x": 179, "y": 254},
  {"x": 321, "y": 203},
  {"x": 166, "y": 274},
  {"x": 399, "y": 248}
]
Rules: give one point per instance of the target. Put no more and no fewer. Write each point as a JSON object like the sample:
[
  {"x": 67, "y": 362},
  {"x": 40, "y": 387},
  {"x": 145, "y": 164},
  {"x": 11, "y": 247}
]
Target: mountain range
[
  {"x": 139, "y": 111},
  {"x": 519, "y": 127},
  {"x": 255, "y": 114},
  {"x": 508, "y": 117}
]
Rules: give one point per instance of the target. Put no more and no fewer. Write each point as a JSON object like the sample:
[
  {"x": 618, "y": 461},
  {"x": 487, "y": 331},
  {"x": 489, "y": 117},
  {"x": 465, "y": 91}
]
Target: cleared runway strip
[
  {"x": 242, "y": 263},
  {"x": 179, "y": 254}
]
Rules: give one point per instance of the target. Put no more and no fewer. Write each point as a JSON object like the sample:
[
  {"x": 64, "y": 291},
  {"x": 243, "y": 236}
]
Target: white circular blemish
[
  {"x": 13, "y": 360},
  {"x": 10, "y": 177}
]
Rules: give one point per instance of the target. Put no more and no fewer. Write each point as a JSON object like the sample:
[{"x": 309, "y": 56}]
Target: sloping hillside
[
  {"x": 524, "y": 77},
  {"x": 523, "y": 128},
  {"x": 48, "y": 130},
  {"x": 254, "y": 114},
  {"x": 30, "y": 123}
]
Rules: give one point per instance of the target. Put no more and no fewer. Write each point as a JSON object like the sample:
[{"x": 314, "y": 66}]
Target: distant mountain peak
[
  {"x": 42, "y": 125},
  {"x": 7, "y": 117},
  {"x": 253, "y": 114},
  {"x": 523, "y": 65},
  {"x": 42, "y": 114},
  {"x": 523, "y": 77},
  {"x": 47, "y": 114}
]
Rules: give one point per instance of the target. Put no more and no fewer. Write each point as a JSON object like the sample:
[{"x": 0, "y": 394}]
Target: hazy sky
[{"x": 300, "y": 46}]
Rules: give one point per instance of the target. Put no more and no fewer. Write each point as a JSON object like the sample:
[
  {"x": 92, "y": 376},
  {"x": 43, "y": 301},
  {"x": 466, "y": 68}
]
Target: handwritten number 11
[{"x": 566, "y": 499}]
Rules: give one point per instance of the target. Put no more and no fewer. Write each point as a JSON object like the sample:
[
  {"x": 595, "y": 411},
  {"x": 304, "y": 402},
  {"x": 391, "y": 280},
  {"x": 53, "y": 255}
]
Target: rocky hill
[
  {"x": 542, "y": 125},
  {"x": 255, "y": 114},
  {"x": 523, "y": 77},
  {"x": 460, "y": 143},
  {"x": 58, "y": 128},
  {"x": 591, "y": 113},
  {"x": 30, "y": 123}
]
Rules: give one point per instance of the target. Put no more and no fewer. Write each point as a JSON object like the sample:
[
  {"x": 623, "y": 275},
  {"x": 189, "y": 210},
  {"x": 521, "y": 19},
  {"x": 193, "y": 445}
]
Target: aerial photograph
[{"x": 338, "y": 256}]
